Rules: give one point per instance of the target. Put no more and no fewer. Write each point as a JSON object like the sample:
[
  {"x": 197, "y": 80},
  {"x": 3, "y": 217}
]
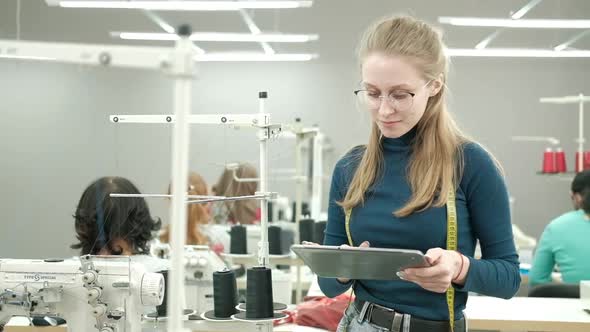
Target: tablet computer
[{"x": 358, "y": 263}]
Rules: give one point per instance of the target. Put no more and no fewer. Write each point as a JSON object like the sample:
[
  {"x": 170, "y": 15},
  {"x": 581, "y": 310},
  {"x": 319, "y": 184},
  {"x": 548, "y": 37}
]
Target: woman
[
  {"x": 108, "y": 225},
  {"x": 396, "y": 189},
  {"x": 565, "y": 240},
  {"x": 241, "y": 181},
  {"x": 198, "y": 214}
]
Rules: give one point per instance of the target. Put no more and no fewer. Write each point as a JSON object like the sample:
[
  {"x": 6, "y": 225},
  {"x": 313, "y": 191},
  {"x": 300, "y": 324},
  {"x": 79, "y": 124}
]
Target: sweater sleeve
[
  {"x": 544, "y": 261},
  {"x": 335, "y": 228},
  {"x": 497, "y": 272}
]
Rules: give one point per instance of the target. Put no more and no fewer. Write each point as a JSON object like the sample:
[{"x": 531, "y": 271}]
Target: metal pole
[
  {"x": 182, "y": 69},
  {"x": 263, "y": 254}
]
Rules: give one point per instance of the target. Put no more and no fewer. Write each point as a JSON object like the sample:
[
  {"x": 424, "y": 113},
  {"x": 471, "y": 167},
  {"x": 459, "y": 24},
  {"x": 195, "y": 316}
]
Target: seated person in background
[
  {"x": 113, "y": 225},
  {"x": 198, "y": 217},
  {"x": 565, "y": 240},
  {"x": 242, "y": 212}
]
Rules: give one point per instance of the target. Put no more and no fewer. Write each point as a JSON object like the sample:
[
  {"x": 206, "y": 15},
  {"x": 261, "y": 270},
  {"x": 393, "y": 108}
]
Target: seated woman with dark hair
[
  {"x": 108, "y": 225},
  {"x": 564, "y": 242}
]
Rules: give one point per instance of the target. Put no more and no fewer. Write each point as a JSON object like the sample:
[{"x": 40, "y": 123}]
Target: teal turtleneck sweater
[{"x": 482, "y": 211}]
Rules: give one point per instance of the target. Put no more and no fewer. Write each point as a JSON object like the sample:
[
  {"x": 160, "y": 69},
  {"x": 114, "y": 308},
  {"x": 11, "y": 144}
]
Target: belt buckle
[
  {"x": 364, "y": 313},
  {"x": 396, "y": 320},
  {"x": 383, "y": 308}
]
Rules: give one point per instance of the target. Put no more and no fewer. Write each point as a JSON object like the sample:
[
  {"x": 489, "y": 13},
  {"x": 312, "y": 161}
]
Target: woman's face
[{"x": 394, "y": 92}]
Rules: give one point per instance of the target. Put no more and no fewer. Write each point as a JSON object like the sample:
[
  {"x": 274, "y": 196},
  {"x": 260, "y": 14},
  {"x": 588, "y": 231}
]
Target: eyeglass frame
[{"x": 390, "y": 103}]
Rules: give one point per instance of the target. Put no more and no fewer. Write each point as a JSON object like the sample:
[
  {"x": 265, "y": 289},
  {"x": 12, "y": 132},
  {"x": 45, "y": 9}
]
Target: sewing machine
[
  {"x": 92, "y": 293},
  {"x": 200, "y": 263}
]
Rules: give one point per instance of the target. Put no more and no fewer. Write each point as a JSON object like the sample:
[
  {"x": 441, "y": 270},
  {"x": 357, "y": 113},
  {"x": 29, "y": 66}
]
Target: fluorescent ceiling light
[
  {"x": 253, "y": 57},
  {"x": 515, "y": 52},
  {"x": 561, "y": 47},
  {"x": 484, "y": 43},
  {"x": 26, "y": 57},
  {"x": 566, "y": 100},
  {"x": 219, "y": 36},
  {"x": 525, "y": 9},
  {"x": 184, "y": 5},
  {"x": 255, "y": 30},
  {"x": 510, "y": 23},
  {"x": 572, "y": 40},
  {"x": 517, "y": 15},
  {"x": 159, "y": 21}
]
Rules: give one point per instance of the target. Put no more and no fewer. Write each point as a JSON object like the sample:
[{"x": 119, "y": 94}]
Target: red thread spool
[
  {"x": 560, "y": 161},
  {"x": 549, "y": 161},
  {"x": 587, "y": 160}
]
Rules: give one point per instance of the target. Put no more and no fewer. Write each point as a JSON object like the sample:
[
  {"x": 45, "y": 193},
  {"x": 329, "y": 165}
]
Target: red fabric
[{"x": 322, "y": 312}]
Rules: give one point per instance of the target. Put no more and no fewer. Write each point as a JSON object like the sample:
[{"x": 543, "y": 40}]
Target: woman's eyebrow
[{"x": 402, "y": 86}]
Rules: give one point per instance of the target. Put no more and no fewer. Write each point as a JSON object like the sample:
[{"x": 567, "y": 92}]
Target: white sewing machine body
[{"x": 92, "y": 293}]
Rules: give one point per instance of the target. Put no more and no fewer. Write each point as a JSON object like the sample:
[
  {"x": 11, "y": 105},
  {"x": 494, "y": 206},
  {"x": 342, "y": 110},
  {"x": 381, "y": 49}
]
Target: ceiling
[{"x": 338, "y": 22}]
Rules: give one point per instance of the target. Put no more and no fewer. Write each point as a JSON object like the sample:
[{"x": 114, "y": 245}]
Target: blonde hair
[
  {"x": 197, "y": 213},
  {"x": 436, "y": 164},
  {"x": 243, "y": 212}
]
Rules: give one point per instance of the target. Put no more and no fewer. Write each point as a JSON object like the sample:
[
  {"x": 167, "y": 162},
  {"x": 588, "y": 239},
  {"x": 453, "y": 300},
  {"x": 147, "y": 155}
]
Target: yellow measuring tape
[{"x": 451, "y": 245}]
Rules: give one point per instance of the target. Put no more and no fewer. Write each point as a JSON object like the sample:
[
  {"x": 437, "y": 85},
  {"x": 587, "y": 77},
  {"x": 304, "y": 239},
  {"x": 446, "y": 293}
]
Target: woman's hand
[
  {"x": 446, "y": 266},
  {"x": 363, "y": 245}
]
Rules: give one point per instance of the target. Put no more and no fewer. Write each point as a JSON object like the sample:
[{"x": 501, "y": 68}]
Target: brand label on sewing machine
[{"x": 40, "y": 277}]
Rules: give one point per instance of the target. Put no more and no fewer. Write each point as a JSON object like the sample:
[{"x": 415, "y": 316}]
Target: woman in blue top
[{"x": 398, "y": 185}]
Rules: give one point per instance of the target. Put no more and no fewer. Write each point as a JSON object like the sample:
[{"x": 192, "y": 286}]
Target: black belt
[{"x": 395, "y": 321}]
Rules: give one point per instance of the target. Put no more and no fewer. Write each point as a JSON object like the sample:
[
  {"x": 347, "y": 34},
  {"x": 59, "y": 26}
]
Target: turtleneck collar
[{"x": 401, "y": 143}]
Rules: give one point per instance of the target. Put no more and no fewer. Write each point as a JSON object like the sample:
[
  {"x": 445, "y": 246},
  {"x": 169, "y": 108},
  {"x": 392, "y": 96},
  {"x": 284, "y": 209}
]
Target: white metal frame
[
  {"x": 179, "y": 63},
  {"x": 254, "y": 120},
  {"x": 548, "y": 139},
  {"x": 317, "y": 176},
  {"x": 125, "y": 56}
]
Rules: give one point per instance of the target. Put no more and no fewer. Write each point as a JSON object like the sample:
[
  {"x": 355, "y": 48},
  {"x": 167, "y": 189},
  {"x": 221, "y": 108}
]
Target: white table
[
  {"x": 519, "y": 313},
  {"x": 527, "y": 314}
]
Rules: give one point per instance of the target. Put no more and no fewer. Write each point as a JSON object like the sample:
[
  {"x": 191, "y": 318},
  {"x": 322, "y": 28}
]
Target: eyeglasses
[{"x": 399, "y": 100}]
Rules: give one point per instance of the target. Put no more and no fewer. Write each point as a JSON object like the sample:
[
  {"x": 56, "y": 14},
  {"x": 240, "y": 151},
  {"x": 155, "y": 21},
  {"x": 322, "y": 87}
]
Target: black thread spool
[
  {"x": 274, "y": 240},
  {"x": 318, "y": 232},
  {"x": 281, "y": 215},
  {"x": 259, "y": 300},
  {"x": 270, "y": 211},
  {"x": 225, "y": 294},
  {"x": 306, "y": 230},
  {"x": 238, "y": 240},
  {"x": 304, "y": 210},
  {"x": 162, "y": 309}
]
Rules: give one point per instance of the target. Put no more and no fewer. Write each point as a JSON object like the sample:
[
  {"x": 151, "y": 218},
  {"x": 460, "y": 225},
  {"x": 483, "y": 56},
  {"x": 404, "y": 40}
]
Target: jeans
[{"x": 350, "y": 322}]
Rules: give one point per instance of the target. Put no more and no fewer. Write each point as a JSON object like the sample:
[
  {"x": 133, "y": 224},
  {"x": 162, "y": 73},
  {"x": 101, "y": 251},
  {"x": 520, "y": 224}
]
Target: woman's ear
[{"x": 436, "y": 85}]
